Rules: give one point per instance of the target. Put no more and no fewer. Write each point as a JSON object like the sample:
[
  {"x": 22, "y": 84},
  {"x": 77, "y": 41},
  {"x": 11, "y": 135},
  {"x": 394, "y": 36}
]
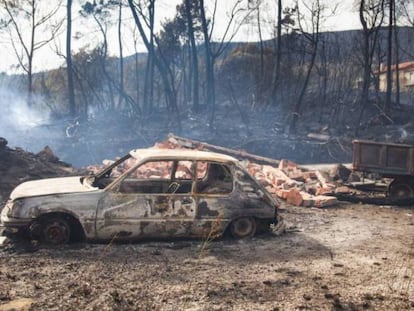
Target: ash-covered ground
[{"x": 350, "y": 257}]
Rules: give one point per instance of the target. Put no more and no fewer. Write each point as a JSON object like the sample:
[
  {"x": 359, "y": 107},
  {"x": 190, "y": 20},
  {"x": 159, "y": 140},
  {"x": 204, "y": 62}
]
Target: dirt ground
[{"x": 349, "y": 257}]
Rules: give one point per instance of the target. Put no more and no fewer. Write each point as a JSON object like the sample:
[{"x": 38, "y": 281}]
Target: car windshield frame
[{"x": 107, "y": 170}]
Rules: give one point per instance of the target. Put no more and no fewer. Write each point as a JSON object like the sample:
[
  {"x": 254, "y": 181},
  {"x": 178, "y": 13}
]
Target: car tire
[
  {"x": 401, "y": 189},
  {"x": 55, "y": 231},
  {"x": 243, "y": 227}
]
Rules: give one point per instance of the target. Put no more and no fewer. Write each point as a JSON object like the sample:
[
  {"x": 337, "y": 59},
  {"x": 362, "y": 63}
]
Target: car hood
[{"x": 50, "y": 186}]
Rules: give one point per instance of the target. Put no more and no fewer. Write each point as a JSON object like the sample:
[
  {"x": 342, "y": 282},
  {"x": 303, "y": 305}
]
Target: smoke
[
  {"x": 78, "y": 142},
  {"x": 19, "y": 115},
  {"x": 21, "y": 125}
]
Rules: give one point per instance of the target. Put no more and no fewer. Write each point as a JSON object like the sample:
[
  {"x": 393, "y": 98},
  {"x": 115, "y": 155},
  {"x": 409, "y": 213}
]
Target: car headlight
[{"x": 13, "y": 207}]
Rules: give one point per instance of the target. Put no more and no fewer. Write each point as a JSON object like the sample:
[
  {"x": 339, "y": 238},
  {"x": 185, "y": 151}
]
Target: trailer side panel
[{"x": 387, "y": 159}]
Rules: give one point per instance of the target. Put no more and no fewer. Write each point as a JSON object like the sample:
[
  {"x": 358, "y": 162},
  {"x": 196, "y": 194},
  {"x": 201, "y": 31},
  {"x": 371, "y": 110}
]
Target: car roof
[{"x": 179, "y": 154}]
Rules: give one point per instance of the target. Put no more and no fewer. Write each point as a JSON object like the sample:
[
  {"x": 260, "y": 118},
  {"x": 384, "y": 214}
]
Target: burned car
[{"x": 149, "y": 193}]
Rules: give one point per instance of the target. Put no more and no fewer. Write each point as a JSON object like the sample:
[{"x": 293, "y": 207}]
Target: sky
[{"x": 344, "y": 18}]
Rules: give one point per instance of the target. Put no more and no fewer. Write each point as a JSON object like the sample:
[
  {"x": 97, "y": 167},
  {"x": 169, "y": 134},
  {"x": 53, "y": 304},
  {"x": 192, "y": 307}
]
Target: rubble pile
[
  {"x": 299, "y": 187},
  {"x": 18, "y": 165}
]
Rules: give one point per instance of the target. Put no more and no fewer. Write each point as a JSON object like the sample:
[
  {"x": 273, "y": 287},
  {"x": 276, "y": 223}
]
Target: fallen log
[{"x": 239, "y": 154}]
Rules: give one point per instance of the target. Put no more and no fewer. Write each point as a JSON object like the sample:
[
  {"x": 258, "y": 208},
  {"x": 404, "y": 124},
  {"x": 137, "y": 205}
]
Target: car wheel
[
  {"x": 401, "y": 189},
  {"x": 243, "y": 227},
  {"x": 55, "y": 231}
]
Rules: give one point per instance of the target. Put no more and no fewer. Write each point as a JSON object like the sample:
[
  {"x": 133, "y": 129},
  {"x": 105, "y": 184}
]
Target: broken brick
[
  {"x": 294, "y": 197},
  {"x": 281, "y": 193},
  {"x": 308, "y": 199},
  {"x": 322, "y": 191},
  {"x": 343, "y": 189},
  {"x": 287, "y": 164},
  {"x": 324, "y": 201}
]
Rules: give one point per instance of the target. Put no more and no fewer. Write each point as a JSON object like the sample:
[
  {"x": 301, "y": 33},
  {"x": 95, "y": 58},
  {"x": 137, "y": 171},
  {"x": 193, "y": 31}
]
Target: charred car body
[{"x": 149, "y": 193}]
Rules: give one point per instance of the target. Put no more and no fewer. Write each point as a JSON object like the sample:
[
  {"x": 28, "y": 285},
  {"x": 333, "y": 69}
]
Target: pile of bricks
[{"x": 294, "y": 185}]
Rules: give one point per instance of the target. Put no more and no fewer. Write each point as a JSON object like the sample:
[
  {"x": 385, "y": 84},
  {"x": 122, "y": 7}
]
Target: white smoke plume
[{"x": 22, "y": 125}]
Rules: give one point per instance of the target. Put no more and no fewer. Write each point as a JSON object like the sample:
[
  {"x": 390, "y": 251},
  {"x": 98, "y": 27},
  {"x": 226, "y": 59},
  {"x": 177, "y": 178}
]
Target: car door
[
  {"x": 214, "y": 188},
  {"x": 155, "y": 200}
]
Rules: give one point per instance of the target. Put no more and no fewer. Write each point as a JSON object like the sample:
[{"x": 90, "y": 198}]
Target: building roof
[{"x": 406, "y": 66}]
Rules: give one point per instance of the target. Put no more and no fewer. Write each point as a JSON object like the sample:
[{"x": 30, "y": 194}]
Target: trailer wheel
[{"x": 401, "y": 189}]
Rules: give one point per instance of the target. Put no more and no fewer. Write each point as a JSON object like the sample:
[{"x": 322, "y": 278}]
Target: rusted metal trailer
[{"x": 390, "y": 160}]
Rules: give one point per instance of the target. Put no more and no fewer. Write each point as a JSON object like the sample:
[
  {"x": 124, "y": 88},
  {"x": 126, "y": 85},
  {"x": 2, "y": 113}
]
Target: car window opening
[
  {"x": 172, "y": 177},
  {"x": 161, "y": 177},
  {"x": 216, "y": 180}
]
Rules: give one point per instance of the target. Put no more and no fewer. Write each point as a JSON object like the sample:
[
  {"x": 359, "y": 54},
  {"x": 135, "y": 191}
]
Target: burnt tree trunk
[
  {"x": 389, "y": 57},
  {"x": 276, "y": 75},
  {"x": 69, "y": 66},
  {"x": 194, "y": 57},
  {"x": 397, "y": 60},
  {"x": 121, "y": 93},
  {"x": 209, "y": 60},
  {"x": 299, "y": 103},
  {"x": 170, "y": 93}
]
